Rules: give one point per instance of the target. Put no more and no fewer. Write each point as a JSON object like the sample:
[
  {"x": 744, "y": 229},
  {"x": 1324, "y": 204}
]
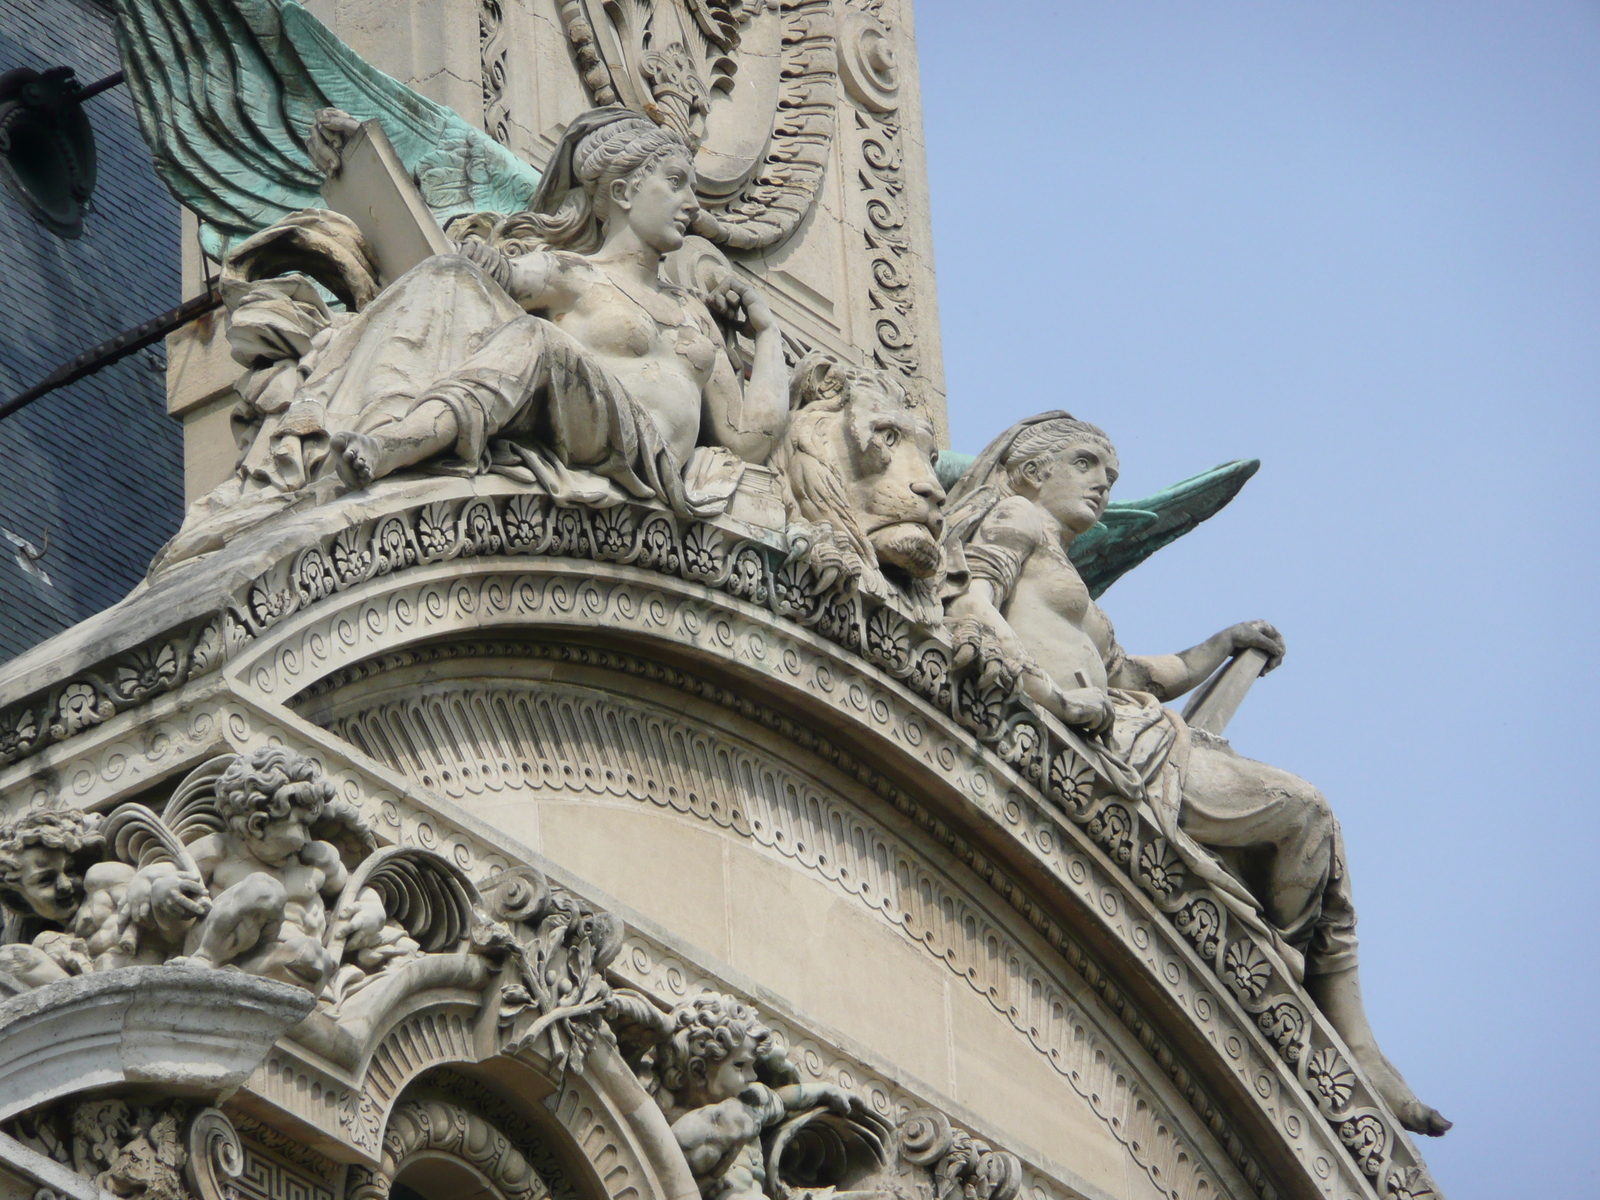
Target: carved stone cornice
[{"x": 357, "y": 582}]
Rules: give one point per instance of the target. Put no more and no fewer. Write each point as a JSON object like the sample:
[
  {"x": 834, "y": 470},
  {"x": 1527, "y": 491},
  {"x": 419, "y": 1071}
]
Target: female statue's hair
[
  {"x": 992, "y": 476},
  {"x": 616, "y": 150},
  {"x": 1044, "y": 440}
]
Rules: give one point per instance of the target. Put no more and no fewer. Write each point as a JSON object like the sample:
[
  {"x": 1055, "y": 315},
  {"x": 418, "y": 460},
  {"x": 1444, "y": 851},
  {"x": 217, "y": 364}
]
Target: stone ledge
[{"x": 200, "y": 1032}]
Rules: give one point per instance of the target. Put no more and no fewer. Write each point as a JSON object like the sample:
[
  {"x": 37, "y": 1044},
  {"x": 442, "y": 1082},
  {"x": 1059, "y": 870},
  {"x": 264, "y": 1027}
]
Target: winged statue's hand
[
  {"x": 1088, "y": 709},
  {"x": 329, "y": 135},
  {"x": 490, "y": 261},
  {"x": 1257, "y": 635}
]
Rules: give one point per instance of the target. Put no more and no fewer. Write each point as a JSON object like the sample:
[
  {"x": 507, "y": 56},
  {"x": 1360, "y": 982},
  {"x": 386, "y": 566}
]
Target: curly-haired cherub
[
  {"x": 267, "y": 880},
  {"x": 725, "y": 1077},
  {"x": 50, "y": 872}
]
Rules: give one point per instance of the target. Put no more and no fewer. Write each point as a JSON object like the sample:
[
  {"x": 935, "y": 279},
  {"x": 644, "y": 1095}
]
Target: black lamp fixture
[{"x": 47, "y": 157}]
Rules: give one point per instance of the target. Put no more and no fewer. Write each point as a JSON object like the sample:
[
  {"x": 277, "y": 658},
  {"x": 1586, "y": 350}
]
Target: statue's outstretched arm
[{"x": 1168, "y": 676}]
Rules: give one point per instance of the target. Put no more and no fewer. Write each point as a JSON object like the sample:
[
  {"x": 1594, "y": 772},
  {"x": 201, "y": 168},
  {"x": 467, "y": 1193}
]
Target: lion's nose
[{"x": 933, "y": 496}]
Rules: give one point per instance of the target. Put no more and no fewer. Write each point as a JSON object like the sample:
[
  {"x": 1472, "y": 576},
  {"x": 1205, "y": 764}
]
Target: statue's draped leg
[
  {"x": 1236, "y": 804},
  {"x": 536, "y": 395},
  {"x": 434, "y": 318},
  {"x": 522, "y": 391}
]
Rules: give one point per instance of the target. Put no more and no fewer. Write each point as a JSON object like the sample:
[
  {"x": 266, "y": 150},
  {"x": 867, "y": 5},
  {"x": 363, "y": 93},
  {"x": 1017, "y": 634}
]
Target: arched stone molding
[
  {"x": 601, "y": 1116},
  {"x": 432, "y": 1131},
  {"x": 987, "y": 813},
  {"x": 613, "y": 737},
  {"x": 1226, "y": 1025}
]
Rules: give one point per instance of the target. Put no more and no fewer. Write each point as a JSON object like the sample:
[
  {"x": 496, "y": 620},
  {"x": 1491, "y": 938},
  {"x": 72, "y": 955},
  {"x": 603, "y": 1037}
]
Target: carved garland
[
  {"x": 164, "y": 1150},
  {"x": 654, "y": 540}
]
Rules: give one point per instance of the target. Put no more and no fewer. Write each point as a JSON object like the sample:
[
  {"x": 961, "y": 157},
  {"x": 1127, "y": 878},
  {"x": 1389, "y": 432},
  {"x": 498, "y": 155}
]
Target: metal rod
[
  {"x": 119, "y": 347},
  {"x": 98, "y": 86}
]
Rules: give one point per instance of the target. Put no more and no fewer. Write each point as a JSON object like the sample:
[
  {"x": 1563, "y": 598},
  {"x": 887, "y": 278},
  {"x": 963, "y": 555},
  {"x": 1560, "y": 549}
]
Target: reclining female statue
[
  {"x": 581, "y": 355},
  {"x": 553, "y": 351},
  {"x": 1012, "y": 517}
]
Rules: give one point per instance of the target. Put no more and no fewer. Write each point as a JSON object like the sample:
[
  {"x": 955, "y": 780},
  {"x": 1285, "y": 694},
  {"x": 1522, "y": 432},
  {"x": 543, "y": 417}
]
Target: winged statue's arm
[{"x": 1168, "y": 676}]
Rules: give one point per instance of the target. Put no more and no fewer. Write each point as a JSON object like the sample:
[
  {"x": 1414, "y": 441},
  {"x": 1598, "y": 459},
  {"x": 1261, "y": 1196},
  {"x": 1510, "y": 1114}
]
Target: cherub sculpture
[
  {"x": 265, "y": 882},
  {"x": 1013, "y": 518},
  {"x": 861, "y": 487},
  {"x": 51, "y": 874},
  {"x": 725, "y": 1079}
]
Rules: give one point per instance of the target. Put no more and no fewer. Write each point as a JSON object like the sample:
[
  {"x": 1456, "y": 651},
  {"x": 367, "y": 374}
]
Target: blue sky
[{"x": 1360, "y": 242}]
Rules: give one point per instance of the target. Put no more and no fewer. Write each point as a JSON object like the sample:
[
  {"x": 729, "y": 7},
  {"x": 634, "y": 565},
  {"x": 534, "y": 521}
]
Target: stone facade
[{"x": 505, "y": 786}]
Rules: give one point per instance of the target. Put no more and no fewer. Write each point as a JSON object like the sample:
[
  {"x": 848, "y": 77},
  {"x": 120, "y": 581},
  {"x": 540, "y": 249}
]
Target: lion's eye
[{"x": 891, "y": 438}]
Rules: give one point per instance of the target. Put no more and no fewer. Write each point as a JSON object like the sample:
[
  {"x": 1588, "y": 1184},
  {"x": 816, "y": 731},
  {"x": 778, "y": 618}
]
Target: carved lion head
[{"x": 858, "y": 458}]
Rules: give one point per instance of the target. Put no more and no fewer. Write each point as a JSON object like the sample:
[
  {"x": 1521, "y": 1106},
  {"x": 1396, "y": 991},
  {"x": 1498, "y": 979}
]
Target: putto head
[
  {"x": 715, "y": 1050},
  {"x": 272, "y": 796},
  {"x": 43, "y": 856}
]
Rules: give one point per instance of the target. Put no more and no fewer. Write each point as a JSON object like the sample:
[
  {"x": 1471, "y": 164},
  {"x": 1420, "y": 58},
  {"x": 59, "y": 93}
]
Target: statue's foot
[
  {"x": 1397, "y": 1094},
  {"x": 355, "y": 457},
  {"x": 1419, "y": 1118}
]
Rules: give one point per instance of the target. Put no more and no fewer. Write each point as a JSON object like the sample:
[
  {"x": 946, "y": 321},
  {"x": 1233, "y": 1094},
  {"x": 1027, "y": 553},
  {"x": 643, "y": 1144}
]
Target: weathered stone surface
[
  {"x": 199, "y": 1032},
  {"x": 897, "y": 913}
]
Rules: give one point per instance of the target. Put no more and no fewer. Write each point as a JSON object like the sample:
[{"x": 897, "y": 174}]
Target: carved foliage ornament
[
  {"x": 165, "y": 1150},
  {"x": 750, "y": 84}
]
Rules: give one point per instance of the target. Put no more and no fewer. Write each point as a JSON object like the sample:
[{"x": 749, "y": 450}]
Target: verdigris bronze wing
[
  {"x": 1131, "y": 531},
  {"x": 456, "y": 166},
  {"x": 227, "y": 91}
]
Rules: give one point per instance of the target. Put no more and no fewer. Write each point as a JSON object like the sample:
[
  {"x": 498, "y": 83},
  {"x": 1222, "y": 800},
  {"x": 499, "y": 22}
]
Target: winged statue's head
[{"x": 1022, "y": 460}]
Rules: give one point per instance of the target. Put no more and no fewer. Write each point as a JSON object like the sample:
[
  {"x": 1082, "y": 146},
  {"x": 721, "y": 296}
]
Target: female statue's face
[
  {"x": 660, "y": 204},
  {"x": 1075, "y": 487}
]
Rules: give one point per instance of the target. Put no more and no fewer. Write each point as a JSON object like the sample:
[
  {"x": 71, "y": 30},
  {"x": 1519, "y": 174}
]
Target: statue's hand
[
  {"x": 329, "y": 135},
  {"x": 487, "y": 259},
  {"x": 740, "y": 303},
  {"x": 1256, "y": 635},
  {"x": 1088, "y": 709},
  {"x": 362, "y": 920},
  {"x": 178, "y": 899}
]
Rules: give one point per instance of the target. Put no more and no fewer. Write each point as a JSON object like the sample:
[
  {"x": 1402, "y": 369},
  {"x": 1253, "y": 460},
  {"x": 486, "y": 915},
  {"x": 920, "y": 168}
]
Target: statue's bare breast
[
  {"x": 652, "y": 345},
  {"x": 1051, "y": 610}
]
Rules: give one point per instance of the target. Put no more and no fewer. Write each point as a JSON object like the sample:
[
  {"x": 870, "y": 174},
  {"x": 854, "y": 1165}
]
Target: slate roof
[{"x": 98, "y": 464}]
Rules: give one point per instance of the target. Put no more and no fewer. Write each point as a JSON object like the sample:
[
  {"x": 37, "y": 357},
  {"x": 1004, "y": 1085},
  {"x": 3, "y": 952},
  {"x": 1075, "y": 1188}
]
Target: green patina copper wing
[
  {"x": 1131, "y": 531},
  {"x": 227, "y": 91}
]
